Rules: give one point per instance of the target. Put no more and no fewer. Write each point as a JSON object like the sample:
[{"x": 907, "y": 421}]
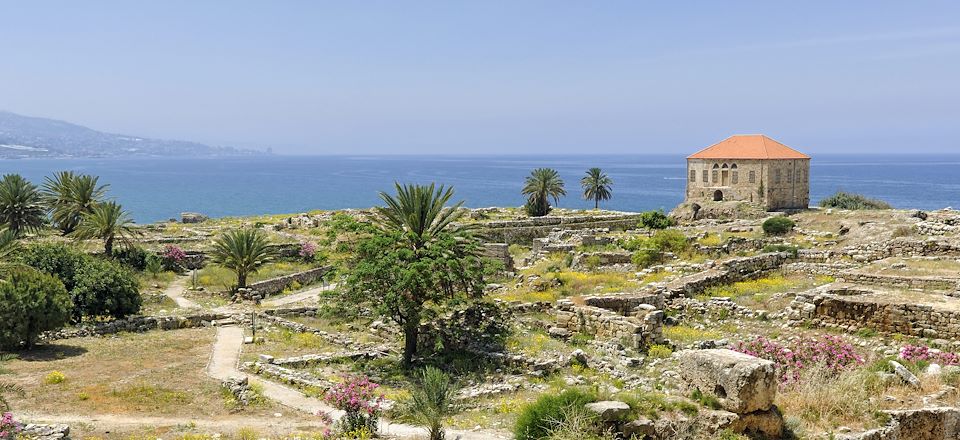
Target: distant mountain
[{"x": 25, "y": 136}]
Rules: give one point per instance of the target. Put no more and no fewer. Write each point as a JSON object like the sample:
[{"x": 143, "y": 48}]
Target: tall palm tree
[
  {"x": 420, "y": 212},
  {"x": 69, "y": 196},
  {"x": 21, "y": 206},
  {"x": 108, "y": 222},
  {"x": 541, "y": 185},
  {"x": 596, "y": 186},
  {"x": 243, "y": 251}
]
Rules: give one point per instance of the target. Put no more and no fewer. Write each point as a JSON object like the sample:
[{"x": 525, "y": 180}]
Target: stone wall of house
[
  {"x": 524, "y": 231},
  {"x": 501, "y": 253},
  {"x": 850, "y": 313},
  {"x": 140, "y": 324},
  {"x": 638, "y": 330},
  {"x": 731, "y": 178},
  {"x": 787, "y": 183}
]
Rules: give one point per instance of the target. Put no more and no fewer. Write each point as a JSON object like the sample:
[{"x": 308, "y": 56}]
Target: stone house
[{"x": 751, "y": 168}]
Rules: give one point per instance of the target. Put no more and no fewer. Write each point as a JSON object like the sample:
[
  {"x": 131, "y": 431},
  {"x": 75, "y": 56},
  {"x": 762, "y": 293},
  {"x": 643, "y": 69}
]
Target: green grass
[
  {"x": 220, "y": 278},
  {"x": 682, "y": 334}
]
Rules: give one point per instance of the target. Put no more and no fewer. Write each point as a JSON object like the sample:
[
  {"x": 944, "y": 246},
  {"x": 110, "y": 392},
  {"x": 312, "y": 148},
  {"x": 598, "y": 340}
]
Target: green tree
[
  {"x": 69, "y": 196},
  {"x": 432, "y": 401},
  {"x": 596, "y": 186},
  {"x": 243, "y": 251},
  {"x": 30, "y": 303},
  {"x": 57, "y": 259},
  {"x": 104, "y": 288},
  {"x": 21, "y": 205},
  {"x": 417, "y": 256},
  {"x": 540, "y": 186},
  {"x": 108, "y": 222}
]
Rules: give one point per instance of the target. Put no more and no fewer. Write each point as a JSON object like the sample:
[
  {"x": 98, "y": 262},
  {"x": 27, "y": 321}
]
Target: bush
[
  {"x": 777, "y": 225},
  {"x": 31, "y": 302},
  {"x": 54, "y": 377},
  {"x": 655, "y": 220},
  {"x": 844, "y": 200},
  {"x": 657, "y": 351},
  {"x": 154, "y": 265},
  {"x": 134, "y": 257},
  {"x": 650, "y": 251},
  {"x": 104, "y": 288},
  {"x": 538, "y": 419},
  {"x": 537, "y": 208},
  {"x": 56, "y": 259}
]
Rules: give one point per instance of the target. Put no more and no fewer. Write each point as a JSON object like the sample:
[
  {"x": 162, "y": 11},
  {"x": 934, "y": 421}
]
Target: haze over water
[{"x": 155, "y": 189}]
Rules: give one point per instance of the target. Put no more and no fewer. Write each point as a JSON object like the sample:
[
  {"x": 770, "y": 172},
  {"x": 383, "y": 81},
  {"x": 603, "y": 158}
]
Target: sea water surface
[{"x": 156, "y": 189}]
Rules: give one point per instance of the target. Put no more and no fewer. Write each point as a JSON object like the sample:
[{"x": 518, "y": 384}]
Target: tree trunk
[
  {"x": 108, "y": 246},
  {"x": 241, "y": 280},
  {"x": 596, "y": 204},
  {"x": 411, "y": 332}
]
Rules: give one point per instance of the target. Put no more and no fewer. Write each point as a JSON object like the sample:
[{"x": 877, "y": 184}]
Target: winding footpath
[
  {"x": 224, "y": 363},
  {"x": 297, "y": 297},
  {"x": 175, "y": 291}
]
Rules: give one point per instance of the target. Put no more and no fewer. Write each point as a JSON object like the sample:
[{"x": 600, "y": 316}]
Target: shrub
[
  {"x": 173, "y": 257},
  {"x": 845, "y": 200},
  {"x": 54, "y": 377},
  {"x": 359, "y": 399},
  {"x": 9, "y": 428},
  {"x": 777, "y": 225},
  {"x": 832, "y": 353},
  {"x": 650, "y": 251},
  {"x": 914, "y": 353},
  {"x": 56, "y": 259},
  {"x": 432, "y": 401},
  {"x": 104, "y": 288},
  {"x": 134, "y": 257},
  {"x": 30, "y": 303},
  {"x": 154, "y": 265},
  {"x": 655, "y": 220},
  {"x": 792, "y": 250},
  {"x": 538, "y": 419},
  {"x": 308, "y": 251}
]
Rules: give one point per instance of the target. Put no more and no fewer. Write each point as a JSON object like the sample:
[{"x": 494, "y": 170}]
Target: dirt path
[
  {"x": 297, "y": 297},
  {"x": 175, "y": 292},
  {"x": 224, "y": 361},
  {"x": 106, "y": 423}
]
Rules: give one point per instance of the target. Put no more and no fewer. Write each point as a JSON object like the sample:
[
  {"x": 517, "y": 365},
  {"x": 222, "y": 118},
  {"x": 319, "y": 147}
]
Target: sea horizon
[{"x": 159, "y": 188}]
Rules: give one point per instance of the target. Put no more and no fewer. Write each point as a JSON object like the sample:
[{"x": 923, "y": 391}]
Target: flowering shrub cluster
[
  {"x": 173, "y": 253},
  {"x": 308, "y": 250},
  {"x": 359, "y": 399},
  {"x": 915, "y": 353},
  {"x": 9, "y": 428},
  {"x": 830, "y": 352}
]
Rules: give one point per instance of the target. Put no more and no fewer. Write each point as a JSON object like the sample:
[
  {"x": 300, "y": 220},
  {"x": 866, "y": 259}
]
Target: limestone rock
[
  {"x": 193, "y": 217},
  {"x": 609, "y": 410},
  {"x": 742, "y": 383},
  {"x": 639, "y": 429},
  {"x": 760, "y": 424},
  {"x": 905, "y": 374}
]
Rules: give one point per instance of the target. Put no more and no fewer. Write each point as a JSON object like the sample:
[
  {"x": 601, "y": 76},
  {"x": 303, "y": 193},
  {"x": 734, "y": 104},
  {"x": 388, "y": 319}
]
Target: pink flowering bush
[
  {"x": 915, "y": 353},
  {"x": 173, "y": 257},
  {"x": 308, "y": 251},
  {"x": 359, "y": 399},
  {"x": 827, "y": 351},
  {"x": 9, "y": 428}
]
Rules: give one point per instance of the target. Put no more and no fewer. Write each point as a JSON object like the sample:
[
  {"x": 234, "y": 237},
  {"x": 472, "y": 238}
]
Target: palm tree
[
  {"x": 243, "y": 251},
  {"x": 21, "y": 206},
  {"x": 420, "y": 212},
  {"x": 432, "y": 401},
  {"x": 108, "y": 222},
  {"x": 8, "y": 245},
  {"x": 596, "y": 186},
  {"x": 541, "y": 185},
  {"x": 69, "y": 196}
]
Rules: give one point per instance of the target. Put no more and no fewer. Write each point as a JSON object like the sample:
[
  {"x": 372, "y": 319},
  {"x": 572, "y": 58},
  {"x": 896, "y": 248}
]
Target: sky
[{"x": 498, "y": 77}]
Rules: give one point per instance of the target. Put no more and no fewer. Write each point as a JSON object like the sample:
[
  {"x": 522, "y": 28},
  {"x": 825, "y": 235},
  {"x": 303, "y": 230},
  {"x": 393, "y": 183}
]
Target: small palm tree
[
  {"x": 420, "y": 212},
  {"x": 596, "y": 186},
  {"x": 432, "y": 401},
  {"x": 108, "y": 222},
  {"x": 69, "y": 196},
  {"x": 21, "y": 206},
  {"x": 6, "y": 388},
  {"x": 541, "y": 185},
  {"x": 243, "y": 251}
]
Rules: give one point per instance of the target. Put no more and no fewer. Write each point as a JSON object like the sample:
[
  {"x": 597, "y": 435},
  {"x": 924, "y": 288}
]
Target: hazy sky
[{"x": 492, "y": 76}]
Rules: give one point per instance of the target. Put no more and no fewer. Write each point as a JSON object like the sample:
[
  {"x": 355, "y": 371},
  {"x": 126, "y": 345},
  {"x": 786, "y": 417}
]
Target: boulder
[
  {"x": 760, "y": 424},
  {"x": 905, "y": 374},
  {"x": 192, "y": 217},
  {"x": 609, "y": 410},
  {"x": 639, "y": 429},
  {"x": 742, "y": 383}
]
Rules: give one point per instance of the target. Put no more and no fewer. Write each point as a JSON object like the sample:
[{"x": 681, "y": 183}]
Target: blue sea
[{"x": 155, "y": 189}]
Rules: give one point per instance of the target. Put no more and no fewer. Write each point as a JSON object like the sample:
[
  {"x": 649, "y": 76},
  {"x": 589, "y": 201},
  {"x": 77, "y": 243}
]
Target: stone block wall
[
  {"x": 276, "y": 285},
  {"x": 624, "y": 304},
  {"x": 524, "y": 231},
  {"x": 499, "y": 252},
  {"x": 638, "y": 331},
  {"x": 137, "y": 324},
  {"x": 851, "y": 314}
]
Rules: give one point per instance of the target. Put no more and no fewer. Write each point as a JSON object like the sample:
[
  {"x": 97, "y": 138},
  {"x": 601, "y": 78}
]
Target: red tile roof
[{"x": 748, "y": 146}]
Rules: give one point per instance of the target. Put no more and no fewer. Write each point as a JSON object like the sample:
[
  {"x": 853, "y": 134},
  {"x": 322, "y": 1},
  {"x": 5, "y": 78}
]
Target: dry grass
[
  {"x": 279, "y": 342},
  {"x": 916, "y": 267},
  {"x": 150, "y": 374},
  {"x": 219, "y": 278}
]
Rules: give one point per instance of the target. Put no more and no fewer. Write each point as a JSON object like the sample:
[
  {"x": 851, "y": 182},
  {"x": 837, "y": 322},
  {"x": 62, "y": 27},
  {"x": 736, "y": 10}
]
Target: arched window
[
  {"x": 733, "y": 167},
  {"x": 724, "y": 166},
  {"x": 715, "y": 166}
]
